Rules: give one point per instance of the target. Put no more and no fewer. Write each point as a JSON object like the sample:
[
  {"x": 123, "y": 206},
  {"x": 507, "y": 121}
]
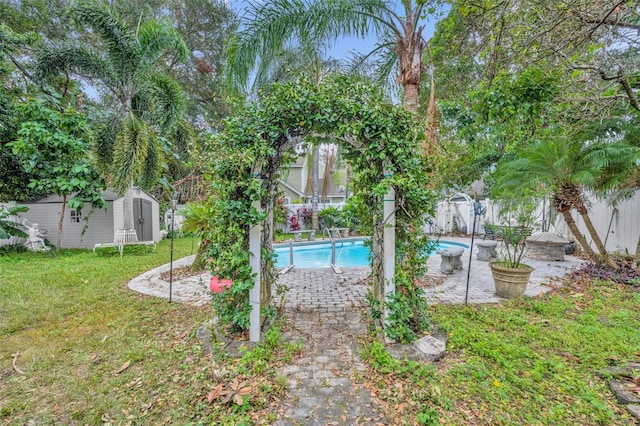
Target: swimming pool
[{"x": 350, "y": 254}]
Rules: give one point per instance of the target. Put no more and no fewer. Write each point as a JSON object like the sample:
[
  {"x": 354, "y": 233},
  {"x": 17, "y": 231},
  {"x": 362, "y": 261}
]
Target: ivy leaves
[{"x": 379, "y": 140}]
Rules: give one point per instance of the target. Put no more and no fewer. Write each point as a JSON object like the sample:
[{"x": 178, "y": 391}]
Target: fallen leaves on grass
[
  {"x": 124, "y": 367},
  {"x": 14, "y": 361},
  {"x": 234, "y": 391}
]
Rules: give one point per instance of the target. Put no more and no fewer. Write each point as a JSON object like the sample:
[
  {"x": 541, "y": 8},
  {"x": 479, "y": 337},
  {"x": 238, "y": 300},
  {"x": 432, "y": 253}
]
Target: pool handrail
[{"x": 330, "y": 232}]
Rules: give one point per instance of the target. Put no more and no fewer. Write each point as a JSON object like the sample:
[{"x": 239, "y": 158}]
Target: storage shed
[{"x": 86, "y": 227}]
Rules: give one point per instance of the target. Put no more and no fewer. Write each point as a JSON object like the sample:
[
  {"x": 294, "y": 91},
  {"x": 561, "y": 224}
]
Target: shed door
[{"x": 142, "y": 219}]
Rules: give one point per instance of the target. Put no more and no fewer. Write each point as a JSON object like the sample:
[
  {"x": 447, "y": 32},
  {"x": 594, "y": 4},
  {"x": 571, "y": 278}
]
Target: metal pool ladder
[{"x": 330, "y": 233}]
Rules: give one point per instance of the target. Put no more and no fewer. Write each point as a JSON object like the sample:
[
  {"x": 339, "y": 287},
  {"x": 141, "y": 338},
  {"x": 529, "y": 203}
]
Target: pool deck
[
  {"x": 323, "y": 289},
  {"x": 481, "y": 287}
]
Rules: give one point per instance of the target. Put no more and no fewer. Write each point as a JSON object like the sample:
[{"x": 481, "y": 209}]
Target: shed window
[{"x": 76, "y": 216}]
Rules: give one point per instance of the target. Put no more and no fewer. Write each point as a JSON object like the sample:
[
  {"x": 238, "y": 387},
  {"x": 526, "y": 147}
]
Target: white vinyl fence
[{"x": 618, "y": 227}]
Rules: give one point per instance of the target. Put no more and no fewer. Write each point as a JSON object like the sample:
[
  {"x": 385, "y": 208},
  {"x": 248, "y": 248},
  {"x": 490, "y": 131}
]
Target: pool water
[{"x": 349, "y": 254}]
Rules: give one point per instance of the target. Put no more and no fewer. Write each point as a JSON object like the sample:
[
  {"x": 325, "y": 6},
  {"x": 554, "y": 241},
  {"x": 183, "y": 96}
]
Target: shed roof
[{"x": 107, "y": 195}]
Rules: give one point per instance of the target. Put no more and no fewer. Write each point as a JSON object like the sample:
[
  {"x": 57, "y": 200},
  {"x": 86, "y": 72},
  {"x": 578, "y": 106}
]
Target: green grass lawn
[
  {"x": 529, "y": 361},
  {"x": 75, "y": 325},
  {"x": 94, "y": 352}
]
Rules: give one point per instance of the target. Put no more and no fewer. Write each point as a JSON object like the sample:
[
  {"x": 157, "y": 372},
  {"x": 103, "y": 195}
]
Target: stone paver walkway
[
  {"x": 323, "y": 290},
  {"x": 322, "y": 389}
]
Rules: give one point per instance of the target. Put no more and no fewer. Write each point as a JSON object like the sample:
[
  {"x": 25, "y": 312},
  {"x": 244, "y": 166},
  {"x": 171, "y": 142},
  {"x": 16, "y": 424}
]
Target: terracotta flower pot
[
  {"x": 217, "y": 285},
  {"x": 510, "y": 283}
]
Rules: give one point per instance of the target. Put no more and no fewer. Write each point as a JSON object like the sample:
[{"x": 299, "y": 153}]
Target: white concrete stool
[
  {"x": 487, "y": 250},
  {"x": 451, "y": 259}
]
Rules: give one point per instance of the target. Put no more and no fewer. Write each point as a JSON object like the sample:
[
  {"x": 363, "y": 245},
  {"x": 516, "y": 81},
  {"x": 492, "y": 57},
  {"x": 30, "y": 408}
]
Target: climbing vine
[{"x": 379, "y": 140}]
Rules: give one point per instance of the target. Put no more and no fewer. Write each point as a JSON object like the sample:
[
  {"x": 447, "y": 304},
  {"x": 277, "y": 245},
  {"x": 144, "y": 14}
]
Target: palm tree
[
  {"x": 564, "y": 168},
  {"x": 144, "y": 103},
  {"x": 270, "y": 27}
]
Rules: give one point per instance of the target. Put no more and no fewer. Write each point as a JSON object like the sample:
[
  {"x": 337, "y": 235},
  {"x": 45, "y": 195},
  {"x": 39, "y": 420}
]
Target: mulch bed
[{"x": 181, "y": 273}]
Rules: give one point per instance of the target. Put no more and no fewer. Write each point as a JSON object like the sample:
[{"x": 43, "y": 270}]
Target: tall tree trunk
[
  {"x": 566, "y": 214},
  {"x": 431, "y": 134},
  {"x": 584, "y": 213},
  {"x": 409, "y": 50},
  {"x": 127, "y": 209},
  {"x": 61, "y": 222},
  {"x": 315, "y": 177},
  {"x": 410, "y": 99}
]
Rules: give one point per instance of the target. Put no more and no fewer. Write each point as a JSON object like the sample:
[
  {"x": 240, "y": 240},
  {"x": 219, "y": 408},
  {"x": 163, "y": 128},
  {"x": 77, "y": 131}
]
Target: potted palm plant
[{"x": 510, "y": 274}]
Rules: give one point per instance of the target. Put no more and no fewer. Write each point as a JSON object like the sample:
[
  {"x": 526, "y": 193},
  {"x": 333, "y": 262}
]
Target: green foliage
[
  {"x": 81, "y": 310},
  {"x": 405, "y": 383},
  {"x": 53, "y": 145},
  {"x": 127, "y": 249},
  {"x": 14, "y": 179},
  {"x": 408, "y": 311},
  {"x": 145, "y": 102},
  {"x": 358, "y": 215},
  {"x": 537, "y": 358},
  {"x": 333, "y": 218},
  {"x": 8, "y": 227},
  {"x": 519, "y": 213},
  {"x": 261, "y": 134},
  {"x": 280, "y": 212},
  {"x": 270, "y": 29},
  {"x": 259, "y": 358},
  {"x": 9, "y": 249}
]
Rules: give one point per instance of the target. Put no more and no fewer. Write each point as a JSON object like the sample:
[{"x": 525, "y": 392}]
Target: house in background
[
  {"x": 86, "y": 227},
  {"x": 296, "y": 183}
]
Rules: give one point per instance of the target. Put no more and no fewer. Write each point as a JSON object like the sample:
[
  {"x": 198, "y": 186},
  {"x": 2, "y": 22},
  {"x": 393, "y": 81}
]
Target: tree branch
[
  {"x": 608, "y": 21},
  {"x": 19, "y": 66},
  {"x": 633, "y": 99}
]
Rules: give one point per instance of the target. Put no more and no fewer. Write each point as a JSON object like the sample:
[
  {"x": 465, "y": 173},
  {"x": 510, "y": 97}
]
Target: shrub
[
  {"x": 332, "y": 218},
  {"x": 12, "y": 248},
  {"x": 133, "y": 248},
  {"x": 305, "y": 215}
]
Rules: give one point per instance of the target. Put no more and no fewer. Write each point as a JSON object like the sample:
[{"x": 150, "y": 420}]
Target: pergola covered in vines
[{"x": 380, "y": 141}]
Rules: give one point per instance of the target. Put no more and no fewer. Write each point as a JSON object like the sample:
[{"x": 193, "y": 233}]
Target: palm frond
[
  {"x": 269, "y": 28},
  {"x": 122, "y": 47},
  {"x": 182, "y": 138},
  {"x": 156, "y": 37},
  {"x": 8, "y": 226},
  {"x": 167, "y": 98},
  {"x": 104, "y": 141},
  {"x": 153, "y": 161},
  {"x": 130, "y": 152},
  {"x": 66, "y": 57}
]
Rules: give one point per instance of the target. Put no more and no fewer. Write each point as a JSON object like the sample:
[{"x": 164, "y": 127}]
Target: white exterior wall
[
  {"x": 155, "y": 220},
  {"x": 47, "y": 216},
  {"x": 101, "y": 226},
  {"x": 118, "y": 214}
]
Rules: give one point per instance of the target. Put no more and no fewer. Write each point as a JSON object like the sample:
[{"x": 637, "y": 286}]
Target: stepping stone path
[
  {"x": 622, "y": 384},
  {"x": 324, "y": 311},
  {"x": 323, "y": 388}
]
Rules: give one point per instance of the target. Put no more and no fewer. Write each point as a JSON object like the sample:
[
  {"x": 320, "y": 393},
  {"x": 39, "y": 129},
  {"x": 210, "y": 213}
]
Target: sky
[{"x": 342, "y": 49}]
